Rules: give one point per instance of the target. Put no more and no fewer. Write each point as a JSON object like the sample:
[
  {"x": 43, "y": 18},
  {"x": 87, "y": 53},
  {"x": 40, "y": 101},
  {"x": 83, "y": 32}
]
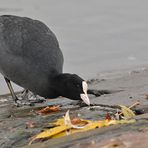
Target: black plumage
[{"x": 30, "y": 56}]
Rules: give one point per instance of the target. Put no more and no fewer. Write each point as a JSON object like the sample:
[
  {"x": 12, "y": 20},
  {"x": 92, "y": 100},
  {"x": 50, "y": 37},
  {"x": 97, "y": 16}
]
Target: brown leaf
[
  {"x": 49, "y": 109},
  {"x": 78, "y": 121}
]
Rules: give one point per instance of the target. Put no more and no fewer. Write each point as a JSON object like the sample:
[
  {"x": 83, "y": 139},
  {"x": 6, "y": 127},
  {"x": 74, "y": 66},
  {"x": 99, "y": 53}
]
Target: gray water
[{"x": 94, "y": 35}]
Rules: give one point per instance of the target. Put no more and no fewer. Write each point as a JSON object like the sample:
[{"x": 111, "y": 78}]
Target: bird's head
[{"x": 73, "y": 87}]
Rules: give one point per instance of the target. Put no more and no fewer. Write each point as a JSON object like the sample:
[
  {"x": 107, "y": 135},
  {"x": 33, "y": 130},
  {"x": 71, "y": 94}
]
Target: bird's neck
[{"x": 59, "y": 83}]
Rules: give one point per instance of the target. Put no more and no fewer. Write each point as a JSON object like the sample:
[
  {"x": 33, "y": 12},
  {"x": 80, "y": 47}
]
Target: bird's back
[{"x": 29, "y": 50}]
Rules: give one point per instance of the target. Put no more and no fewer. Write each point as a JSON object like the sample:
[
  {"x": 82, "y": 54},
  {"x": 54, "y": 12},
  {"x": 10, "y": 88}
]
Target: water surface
[{"x": 95, "y": 36}]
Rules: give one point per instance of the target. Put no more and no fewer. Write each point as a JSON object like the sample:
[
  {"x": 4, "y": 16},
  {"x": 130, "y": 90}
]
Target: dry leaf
[
  {"x": 89, "y": 126},
  {"x": 65, "y": 126},
  {"x": 128, "y": 113},
  {"x": 48, "y": 133},
  {"x": 67, "y": 120},
  {"x": 49, "y": 109},
  {"x": 78, "y": 121}
]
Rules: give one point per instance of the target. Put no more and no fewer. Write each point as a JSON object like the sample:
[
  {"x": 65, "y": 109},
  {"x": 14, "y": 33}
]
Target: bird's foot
[
  {"x": 29, "y": 99},
  {"x": 20, "y": 103}
]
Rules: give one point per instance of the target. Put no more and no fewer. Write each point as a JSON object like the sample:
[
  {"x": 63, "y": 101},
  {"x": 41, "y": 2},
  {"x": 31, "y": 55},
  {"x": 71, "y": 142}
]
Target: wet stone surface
[{"x": 105, "y": 97}]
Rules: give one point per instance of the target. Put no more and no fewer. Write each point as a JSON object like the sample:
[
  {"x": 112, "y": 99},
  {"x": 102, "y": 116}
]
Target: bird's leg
[
  {"x": 27, "y": 98},
  {"x": 18, "y": 102},
  {"x": 11, "y": 89},
  {"x": 24, "y": 94}
]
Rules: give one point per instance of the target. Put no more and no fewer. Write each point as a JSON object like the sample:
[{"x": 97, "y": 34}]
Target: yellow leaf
[
  {"x": 90, "y": 126},
  {"x": 128, "y": 113},
  {"x": 50, "y": 132},
  {"x": 125, "y": 121},
  {"x": 65, "y": 127}
]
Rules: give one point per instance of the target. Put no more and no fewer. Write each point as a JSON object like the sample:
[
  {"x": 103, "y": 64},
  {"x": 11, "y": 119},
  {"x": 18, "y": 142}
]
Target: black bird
[{"x": 30, "y": 56}]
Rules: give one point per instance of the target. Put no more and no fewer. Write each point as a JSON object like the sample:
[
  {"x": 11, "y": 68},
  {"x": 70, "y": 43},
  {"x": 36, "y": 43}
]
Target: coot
[{"x": 30, "y": 56}]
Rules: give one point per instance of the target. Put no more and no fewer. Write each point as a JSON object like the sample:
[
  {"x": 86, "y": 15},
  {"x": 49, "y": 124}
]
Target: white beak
[{"x": 84, "y": 96}]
